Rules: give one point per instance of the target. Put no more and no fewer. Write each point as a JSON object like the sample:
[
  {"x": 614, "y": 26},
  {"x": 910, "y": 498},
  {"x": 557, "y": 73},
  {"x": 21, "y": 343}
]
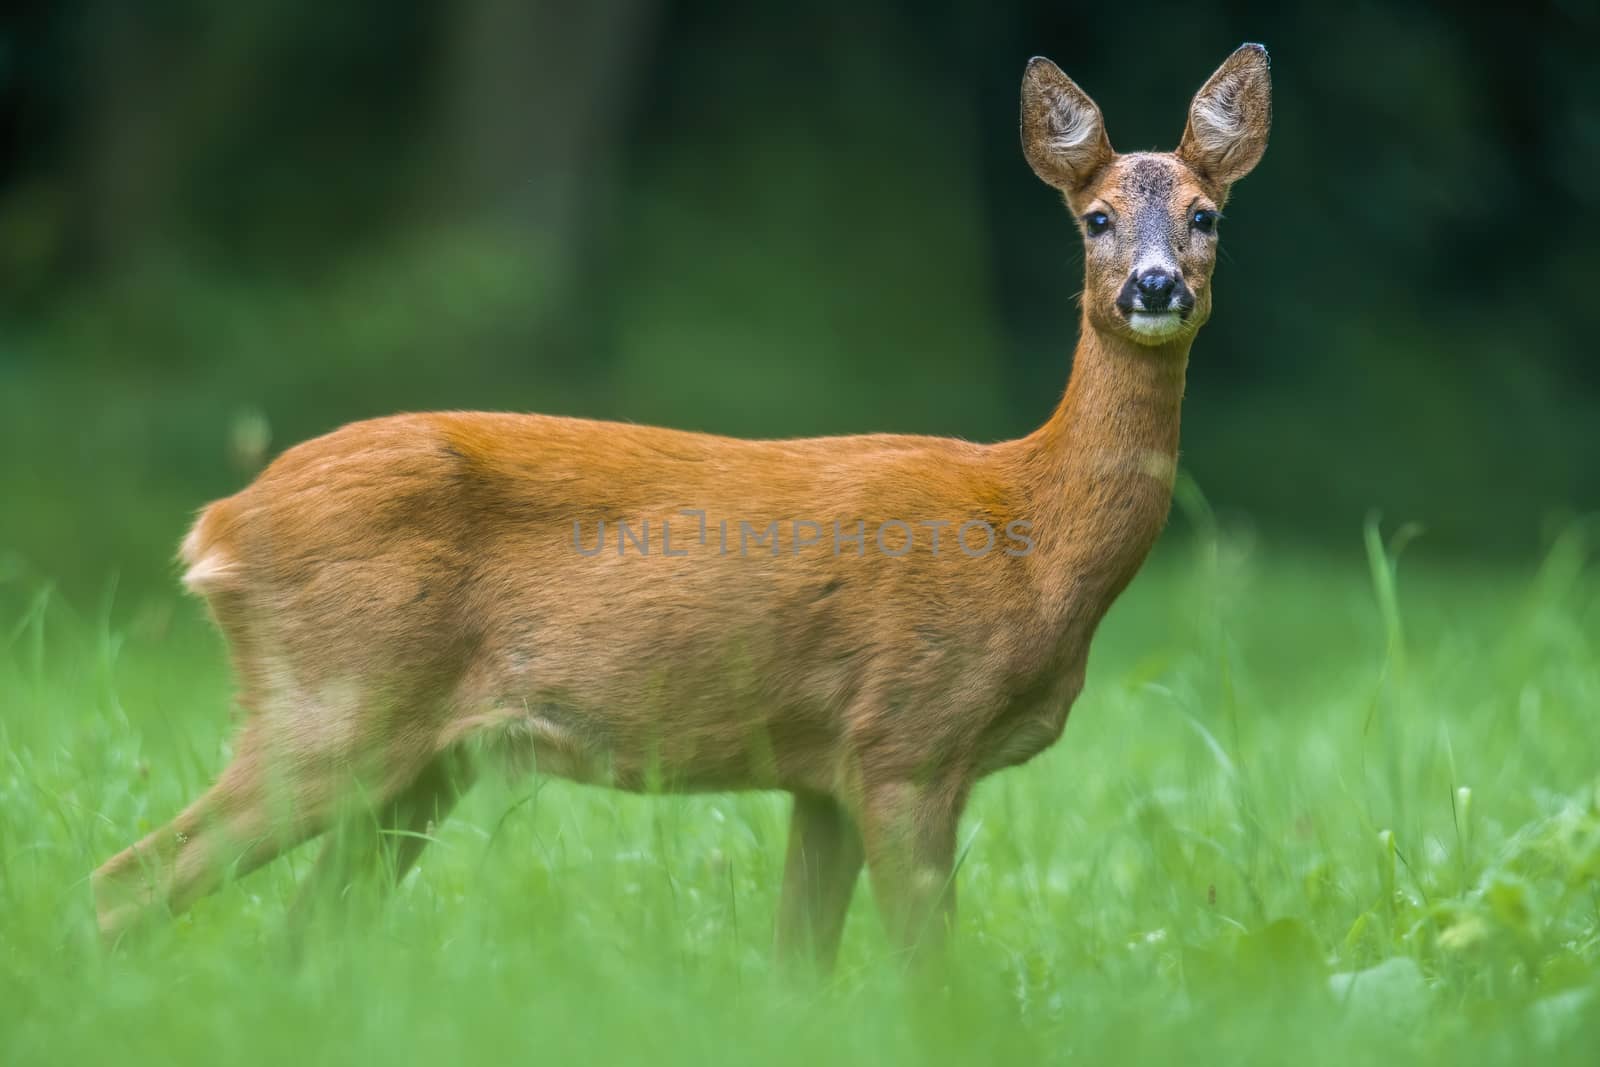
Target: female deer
[{"x": 872, "y": 623}]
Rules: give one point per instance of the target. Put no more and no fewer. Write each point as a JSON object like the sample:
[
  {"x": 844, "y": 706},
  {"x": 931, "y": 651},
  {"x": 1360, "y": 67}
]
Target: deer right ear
[{"x": 1063, "y": 135}]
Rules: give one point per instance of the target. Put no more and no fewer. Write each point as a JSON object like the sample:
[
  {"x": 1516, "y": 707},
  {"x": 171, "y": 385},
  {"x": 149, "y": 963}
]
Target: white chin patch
[{"x": 1155, "y": 324}]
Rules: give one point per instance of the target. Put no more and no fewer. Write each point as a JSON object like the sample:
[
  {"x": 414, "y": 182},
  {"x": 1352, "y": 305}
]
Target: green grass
[{"x": 1308, "y": 809}]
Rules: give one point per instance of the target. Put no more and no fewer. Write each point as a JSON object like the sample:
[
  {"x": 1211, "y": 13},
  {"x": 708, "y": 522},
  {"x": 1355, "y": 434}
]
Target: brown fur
[{"x": 405, "y": 588}]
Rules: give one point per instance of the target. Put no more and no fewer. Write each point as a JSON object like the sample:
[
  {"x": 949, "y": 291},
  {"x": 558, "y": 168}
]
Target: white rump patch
[
  {"x": 209, "y": 571},
  {"x": 189, "y": 551}
]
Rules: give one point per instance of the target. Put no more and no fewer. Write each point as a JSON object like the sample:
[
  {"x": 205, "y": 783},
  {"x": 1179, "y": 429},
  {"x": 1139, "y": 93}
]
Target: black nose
[{"x": 1155, "y": 289}]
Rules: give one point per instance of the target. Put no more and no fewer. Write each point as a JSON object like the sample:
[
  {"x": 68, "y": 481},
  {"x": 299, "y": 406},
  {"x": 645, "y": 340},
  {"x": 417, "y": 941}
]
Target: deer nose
[{"x": 1155, "y": 288}]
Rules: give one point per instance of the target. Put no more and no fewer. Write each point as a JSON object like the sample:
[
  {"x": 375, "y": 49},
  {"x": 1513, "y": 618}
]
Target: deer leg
[
  {"x": 819, "y": 877},
  {"x": 396, "y": 832},
  {"x": 910, "y": 835},
  {"x": 249, "y": 817}
]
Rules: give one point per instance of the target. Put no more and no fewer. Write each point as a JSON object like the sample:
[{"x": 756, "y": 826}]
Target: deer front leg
[
  {"x": 819, "y": 877},
  {"x": 909, "y": 830}
]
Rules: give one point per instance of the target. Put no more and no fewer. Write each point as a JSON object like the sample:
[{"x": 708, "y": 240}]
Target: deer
[{"x": 870, "y": 623}]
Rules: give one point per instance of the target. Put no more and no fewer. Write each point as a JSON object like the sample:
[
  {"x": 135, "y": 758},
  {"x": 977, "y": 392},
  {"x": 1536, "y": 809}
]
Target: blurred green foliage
[{"x": 768, "y": 219}]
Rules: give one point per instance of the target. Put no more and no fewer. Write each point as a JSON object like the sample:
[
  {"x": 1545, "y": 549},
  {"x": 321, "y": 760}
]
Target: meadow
[{"x": 1312, "y": 807}]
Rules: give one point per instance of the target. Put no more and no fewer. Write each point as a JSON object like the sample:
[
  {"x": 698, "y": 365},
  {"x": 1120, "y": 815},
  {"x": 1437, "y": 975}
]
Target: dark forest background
[{"x": 225, "y": 227}]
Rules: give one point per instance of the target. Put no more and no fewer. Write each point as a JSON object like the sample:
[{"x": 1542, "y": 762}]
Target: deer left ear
[{"x": 1229, "y": 119}]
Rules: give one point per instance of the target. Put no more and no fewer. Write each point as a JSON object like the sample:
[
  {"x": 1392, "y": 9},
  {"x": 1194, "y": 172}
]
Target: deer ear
[
  {"x": 1063, "y": 135},
  {"x": 1230, "y": 117}
]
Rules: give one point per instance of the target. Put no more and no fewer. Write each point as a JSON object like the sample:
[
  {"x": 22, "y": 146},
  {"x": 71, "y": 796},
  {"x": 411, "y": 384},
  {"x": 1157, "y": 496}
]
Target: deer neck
[{"x": 1099, "y": 474}]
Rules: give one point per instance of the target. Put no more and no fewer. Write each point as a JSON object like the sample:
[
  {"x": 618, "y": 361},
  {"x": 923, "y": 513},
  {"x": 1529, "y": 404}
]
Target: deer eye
[
  {"x": 1203, "y": 220},
  {"x": 1097, "y": 223}
]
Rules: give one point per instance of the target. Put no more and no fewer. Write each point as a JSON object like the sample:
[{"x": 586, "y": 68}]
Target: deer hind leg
[
  {"x": 281, "y": 789},
  {"x": 393, "y": 834},
  {"x": 819, "y": 877},
  {"x": 254, "y": 812}
]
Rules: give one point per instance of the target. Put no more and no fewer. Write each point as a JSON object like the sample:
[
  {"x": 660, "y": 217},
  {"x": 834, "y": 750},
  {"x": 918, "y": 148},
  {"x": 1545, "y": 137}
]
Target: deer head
[{"x": 1149, "y": 219}]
